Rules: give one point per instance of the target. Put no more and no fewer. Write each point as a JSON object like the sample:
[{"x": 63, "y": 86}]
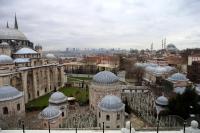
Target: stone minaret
[{"x": 15, "y": 25}]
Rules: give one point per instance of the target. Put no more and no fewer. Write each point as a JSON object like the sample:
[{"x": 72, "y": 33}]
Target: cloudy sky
[{"x": 57, "y": 24}]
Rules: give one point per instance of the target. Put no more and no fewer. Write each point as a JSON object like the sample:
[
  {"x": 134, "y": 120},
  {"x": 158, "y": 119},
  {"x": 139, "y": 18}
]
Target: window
[
  {"x": 45, "y": 90},
  {"x": 18, "y": 106},
  {"x": 38, "y": 93},
  {"x": 118, "y": 116},
  {"x": 63, "y": 114},
  {"x": 118, "y": 126},
  {"x": 99, "y": 124},
  {"x": 107, "y": 117},
  {"x": 107, "y": 126},
  {"x": 5, "y": 110},
  {"x": 99, "y": 114}
]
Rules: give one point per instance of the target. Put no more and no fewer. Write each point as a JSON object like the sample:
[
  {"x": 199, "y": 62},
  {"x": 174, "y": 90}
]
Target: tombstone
[
  {"x": 127, "y": 129},
  {"x": 193, "y": 127}
]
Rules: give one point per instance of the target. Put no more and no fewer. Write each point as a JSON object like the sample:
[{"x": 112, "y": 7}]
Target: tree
[{"x": 181, "y": 104}]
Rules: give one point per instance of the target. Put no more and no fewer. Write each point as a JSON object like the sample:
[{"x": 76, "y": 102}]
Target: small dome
[
  {"x": 169, "y": 68},
  {"x": 50, "y": 56},
  {"x": 162, "y": 100},
  {"x": 8, "y": 92},
  {"x": 150, "y": 69},
  {"x": 21, "y": 60},
  {"x": 105, "y": 77},
  {"x": 178, "y": 77},
  {"x": 57, "y": 97},
  {"x": 11, "y": 34},
  {"x": 3, "y": 44},
  {"x": 111, "y": 103},
  {"x": 179, "y": 90},
  {"x": 5, "y": 59},
  {"x": 194, "y": 124},
  {"x": 160, "y": 70},
  {"x": 26, "y": 51},
  {"x": 50, "y": 112}
]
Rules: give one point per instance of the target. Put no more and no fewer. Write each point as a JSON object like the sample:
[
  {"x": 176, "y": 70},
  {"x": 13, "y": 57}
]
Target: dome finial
[{"x": 16, "y": 25}]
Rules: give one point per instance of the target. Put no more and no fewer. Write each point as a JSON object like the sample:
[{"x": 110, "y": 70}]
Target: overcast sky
[{"x": 57, "y": 24}]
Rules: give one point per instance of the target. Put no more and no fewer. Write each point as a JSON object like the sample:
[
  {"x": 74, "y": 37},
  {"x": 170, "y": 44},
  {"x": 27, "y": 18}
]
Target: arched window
[
  {"x": 118, "y": 116},
  {"x": 38, "y": 93},
  {"x": 99, "y": 114},
  {"x": 5, "y": 110},
  {"x": 107, "y": 117},
  {"x": 45, "y": 90},
  {"x": 18, "y": 106},
  {"x": 63, "y": 114}
]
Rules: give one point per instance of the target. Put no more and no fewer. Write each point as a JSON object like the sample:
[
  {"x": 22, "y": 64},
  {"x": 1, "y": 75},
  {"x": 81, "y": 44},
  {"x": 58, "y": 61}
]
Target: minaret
[
  {"x": 162, "y": 43},
  {"x": 16, "y": 25},
  {"x": 151, "y": 46},
  {"x": 7, "y": 26},
  {"x": 165, "y": 43}
]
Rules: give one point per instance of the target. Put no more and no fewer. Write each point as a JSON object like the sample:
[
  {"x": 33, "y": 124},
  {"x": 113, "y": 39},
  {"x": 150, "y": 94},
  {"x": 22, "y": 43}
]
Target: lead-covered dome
[
  {"x": 4, "y": 44},
  {"x": 11, "y": 34},
  {"x": 5, "y": 59},
  {"x": 178, "y": 77},
  {"x": 50, "y": 112},
  {"x": 162, "y": 100},
  {"x": 111, "y": 103},
  {"x": 57, "y": 97},
  {"x": 26, "y": 51},
  {"x": 105, "y": 77},
  {"x": 171, "y": 47},
  {"x": 8, "y": 92},
  {"x": 51, "y": 56}
]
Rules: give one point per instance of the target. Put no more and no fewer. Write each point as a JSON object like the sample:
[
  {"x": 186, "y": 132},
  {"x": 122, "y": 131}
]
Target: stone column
[
  {"x": 34, "y": 84},
  {"x": 62, "y": 76},
  {"x": 24, "y": 85},
  {"x": 48, "y": 79}
]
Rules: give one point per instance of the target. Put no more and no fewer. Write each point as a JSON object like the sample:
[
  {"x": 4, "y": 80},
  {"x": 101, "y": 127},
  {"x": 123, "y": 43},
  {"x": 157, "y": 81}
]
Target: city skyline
[{"x": 105, "y": 24}]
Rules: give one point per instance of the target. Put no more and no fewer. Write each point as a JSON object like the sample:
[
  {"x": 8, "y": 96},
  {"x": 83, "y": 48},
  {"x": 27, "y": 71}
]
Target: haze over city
[{"x": 105, "y": 24}]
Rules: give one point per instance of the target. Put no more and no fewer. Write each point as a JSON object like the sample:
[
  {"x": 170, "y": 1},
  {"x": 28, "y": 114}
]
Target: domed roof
[
  {"x": 150, "y": 69},
  {"x": 11, "y": 34},
  {"x": 8, "y": 92},
  {"x": 4, "y": 44},
  {"x": 5, "y": 59},
  {"x": 178, "y": 77},
  {"x": 111, "y": 103},
  {"x": 160, "y": 70},
  {"x": 50, "y": 112},
  {"x": 50, "y": 56},
  {"x": 26, "y": 51},
  {"x": 57, "y": 97},
  {"x": 105, "y": 77},
  {"x": 171, "y": 47},
  {"x": 179, "y": 90},
  {"x": 21, "y": 60},
  {"x": 162, "y": 100}
]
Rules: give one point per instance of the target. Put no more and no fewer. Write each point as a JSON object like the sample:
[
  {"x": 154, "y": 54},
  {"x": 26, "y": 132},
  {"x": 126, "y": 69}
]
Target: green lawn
[
  {"x": 80, "y": 94},
  {"x": 79, "y": 78}
]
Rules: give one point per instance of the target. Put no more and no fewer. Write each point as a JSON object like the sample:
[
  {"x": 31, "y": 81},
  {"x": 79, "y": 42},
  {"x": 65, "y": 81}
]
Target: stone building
[
  {"x": 12, "y": 107},
  {"x": 51, "y": 116},
  {"x": 111, "y": 112},
  {"x": 23, "y": 67},
  {"x": 103, "y": 83},
  {"x": 194, "y": 72},
  {"x": 59, "y": 101}
]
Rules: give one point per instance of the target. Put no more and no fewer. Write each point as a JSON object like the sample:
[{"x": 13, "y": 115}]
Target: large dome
[
  {"x": 11, "y": 34},
  {"x": 171, "y": 47},
  {"x": 57, "y": 97},
  {"x": 5, "y": 59},
  {"x": 111, "y": 103},
  {"x": 8, "y": 92},
  {"x": 178, "y": 77},
  {"x": 105, "y": 77},
  {"x": 26, "y": 51},
  {"x": 50, "y": 112},
  {"x": 4, "y": 44}
]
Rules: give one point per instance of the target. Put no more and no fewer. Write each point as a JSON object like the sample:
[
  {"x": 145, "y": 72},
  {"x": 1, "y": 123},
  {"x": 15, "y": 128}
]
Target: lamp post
[
  {"x": 103, "y": 127},
  {"x": 161, "y": 103},
  {"x": 23, "y": 127},
  {"x": 49, "y": 126}
]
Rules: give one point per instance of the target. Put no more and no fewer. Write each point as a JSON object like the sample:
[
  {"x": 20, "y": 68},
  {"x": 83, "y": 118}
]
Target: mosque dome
[
  {"x": 179, "y": 90},
  {"x": 171, "y": 47},
  {"x": 162, "y": 100},
  {"x": 57, "y": 97},
  {"x": 26, "y": 51},
  {"x": 5, "y": 59},
  {"x": 11, "y": 34},
  {"x": 105, "y": 77},
  {"x": 178, "y": 77},
  {"x": 111, "y": 103},
  {"x": 8, "y": 92},
  {"x": 50, "y": 56},
  {"x": 50, "y": 112}
]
